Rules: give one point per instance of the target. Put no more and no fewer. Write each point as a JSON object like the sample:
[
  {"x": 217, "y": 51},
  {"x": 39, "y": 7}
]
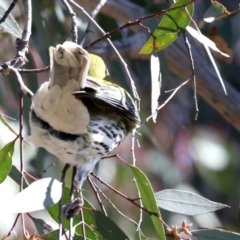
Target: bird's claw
[{"x": 72, "y": 209}]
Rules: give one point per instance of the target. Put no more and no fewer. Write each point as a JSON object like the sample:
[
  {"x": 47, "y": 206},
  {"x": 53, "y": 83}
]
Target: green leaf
[
  {"x": 38, "y": 195},
  {"x": 103, "y": 227},
  {"x": 170, "y": 27},
  {"x": 215, "y": 234},
  {"x": 149, "y": 200},
  {"x": 218, "y": 11},
  {"x": 156, "y": 84},
  {"x": 186, "y": 202},
  {"x": 10, "y": 25},
  {"x": 6, "y": 160}
]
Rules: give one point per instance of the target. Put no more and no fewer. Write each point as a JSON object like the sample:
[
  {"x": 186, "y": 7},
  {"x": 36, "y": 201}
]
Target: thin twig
[
  {"x": 93, "y": 15},
  {"x": 21, "y": 152},
  {"x": 193, "y": 71},
  {"x": 5, "y": 15},
  {"x": 25, "y": 90},
  {"x": 82, "y": 217},
  {"x": 168, "y": 99},
  {"x": 74, "y": 31},
  {"x": 134, "y": 180},
  {"x": 109, "y": 200},
  {"x": 66, "y": 167},
  {"x": 123, "y": 195},
  {"x": 131, "y": 82},
  {"x": 92, "y": 184},
  {"x": 40, "y": 70},
  {"x": 136, "y": 22},
  {"x": 22, "y": 44}
]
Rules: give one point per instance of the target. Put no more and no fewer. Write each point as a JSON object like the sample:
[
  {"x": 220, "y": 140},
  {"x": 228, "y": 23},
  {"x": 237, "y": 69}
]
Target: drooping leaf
[
  {"x": 211, "y": 59},
  {"x": 37, "y": 196},
  {"x": 186, "y": 202},
  {"x": 9, "y": 25},
  {"x": 170, "y": 27},
  {"x": 215, "y": 234},
  {"x": 6, "y": 160},
  {"x": 204, "y": 40},
  {"x": 218, "y": 11},
  {"x": 156, "y": 84},
  {"x": 149, "y": 200}
]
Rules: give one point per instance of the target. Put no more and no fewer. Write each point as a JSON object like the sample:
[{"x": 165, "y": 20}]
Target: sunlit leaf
[
  {"x": 211, "y": 59},
  {"x": 6, "y": 160},
  {"x": 215, "y": 234},
  {"x": 170, "y": 27},
  {"x": 149, "y": 200},
  {"x": 205, "y": 40},
  {"x": 38, "y": 195},
  {"x": 9, "y": 25},
  {"x": 218, "y": 11},
  {"x": 186, "y": 202},
  {"x": 156, "y": 84}
]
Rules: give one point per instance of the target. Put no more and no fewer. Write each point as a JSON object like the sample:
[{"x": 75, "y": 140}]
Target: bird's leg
[{"x": 71, "y": 209}]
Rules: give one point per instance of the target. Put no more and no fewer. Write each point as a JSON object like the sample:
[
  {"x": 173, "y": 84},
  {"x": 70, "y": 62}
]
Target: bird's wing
[{"x": 110, "y": 95}]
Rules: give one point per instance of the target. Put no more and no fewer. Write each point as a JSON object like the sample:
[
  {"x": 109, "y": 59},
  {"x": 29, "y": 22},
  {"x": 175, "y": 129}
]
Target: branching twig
[
  {"x": 97, "y": 196},
  {"x": 74, "y": 30},
  {"x": 93, "y": 15},
  {"x": 66, "y": 167},
  {"x": 123, "y": 195},
  {"x": 168, "y": 99},
  {"x": 193, "y": 71},
  {"x": 136, "y": 22},
  {"x": 25, "y": 90},
  {"x": 109, "y": 200}
]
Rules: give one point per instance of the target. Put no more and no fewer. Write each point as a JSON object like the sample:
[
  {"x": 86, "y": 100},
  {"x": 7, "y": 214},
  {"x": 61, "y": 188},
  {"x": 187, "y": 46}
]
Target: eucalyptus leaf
[
  {"x": 186, "y": 202},
  {"x": 149, "y": 200},
  {"x": 171, "y": 26},
  {"x": 10, "y": 25},
  {"x": 6, "y": 154},
  {"x": 215, "y": 234}
]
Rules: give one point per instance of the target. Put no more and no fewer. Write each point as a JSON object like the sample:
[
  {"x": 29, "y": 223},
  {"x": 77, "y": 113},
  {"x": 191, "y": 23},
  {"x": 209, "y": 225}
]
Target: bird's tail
[{"x": 68, "y": 61}]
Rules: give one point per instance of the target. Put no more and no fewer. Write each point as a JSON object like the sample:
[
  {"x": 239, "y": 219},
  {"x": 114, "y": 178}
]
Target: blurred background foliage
[{"x": 177, "y": 152}]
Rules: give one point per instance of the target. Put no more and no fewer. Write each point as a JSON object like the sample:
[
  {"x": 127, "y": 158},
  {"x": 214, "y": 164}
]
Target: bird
[{"x": 79, "y": 115}]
